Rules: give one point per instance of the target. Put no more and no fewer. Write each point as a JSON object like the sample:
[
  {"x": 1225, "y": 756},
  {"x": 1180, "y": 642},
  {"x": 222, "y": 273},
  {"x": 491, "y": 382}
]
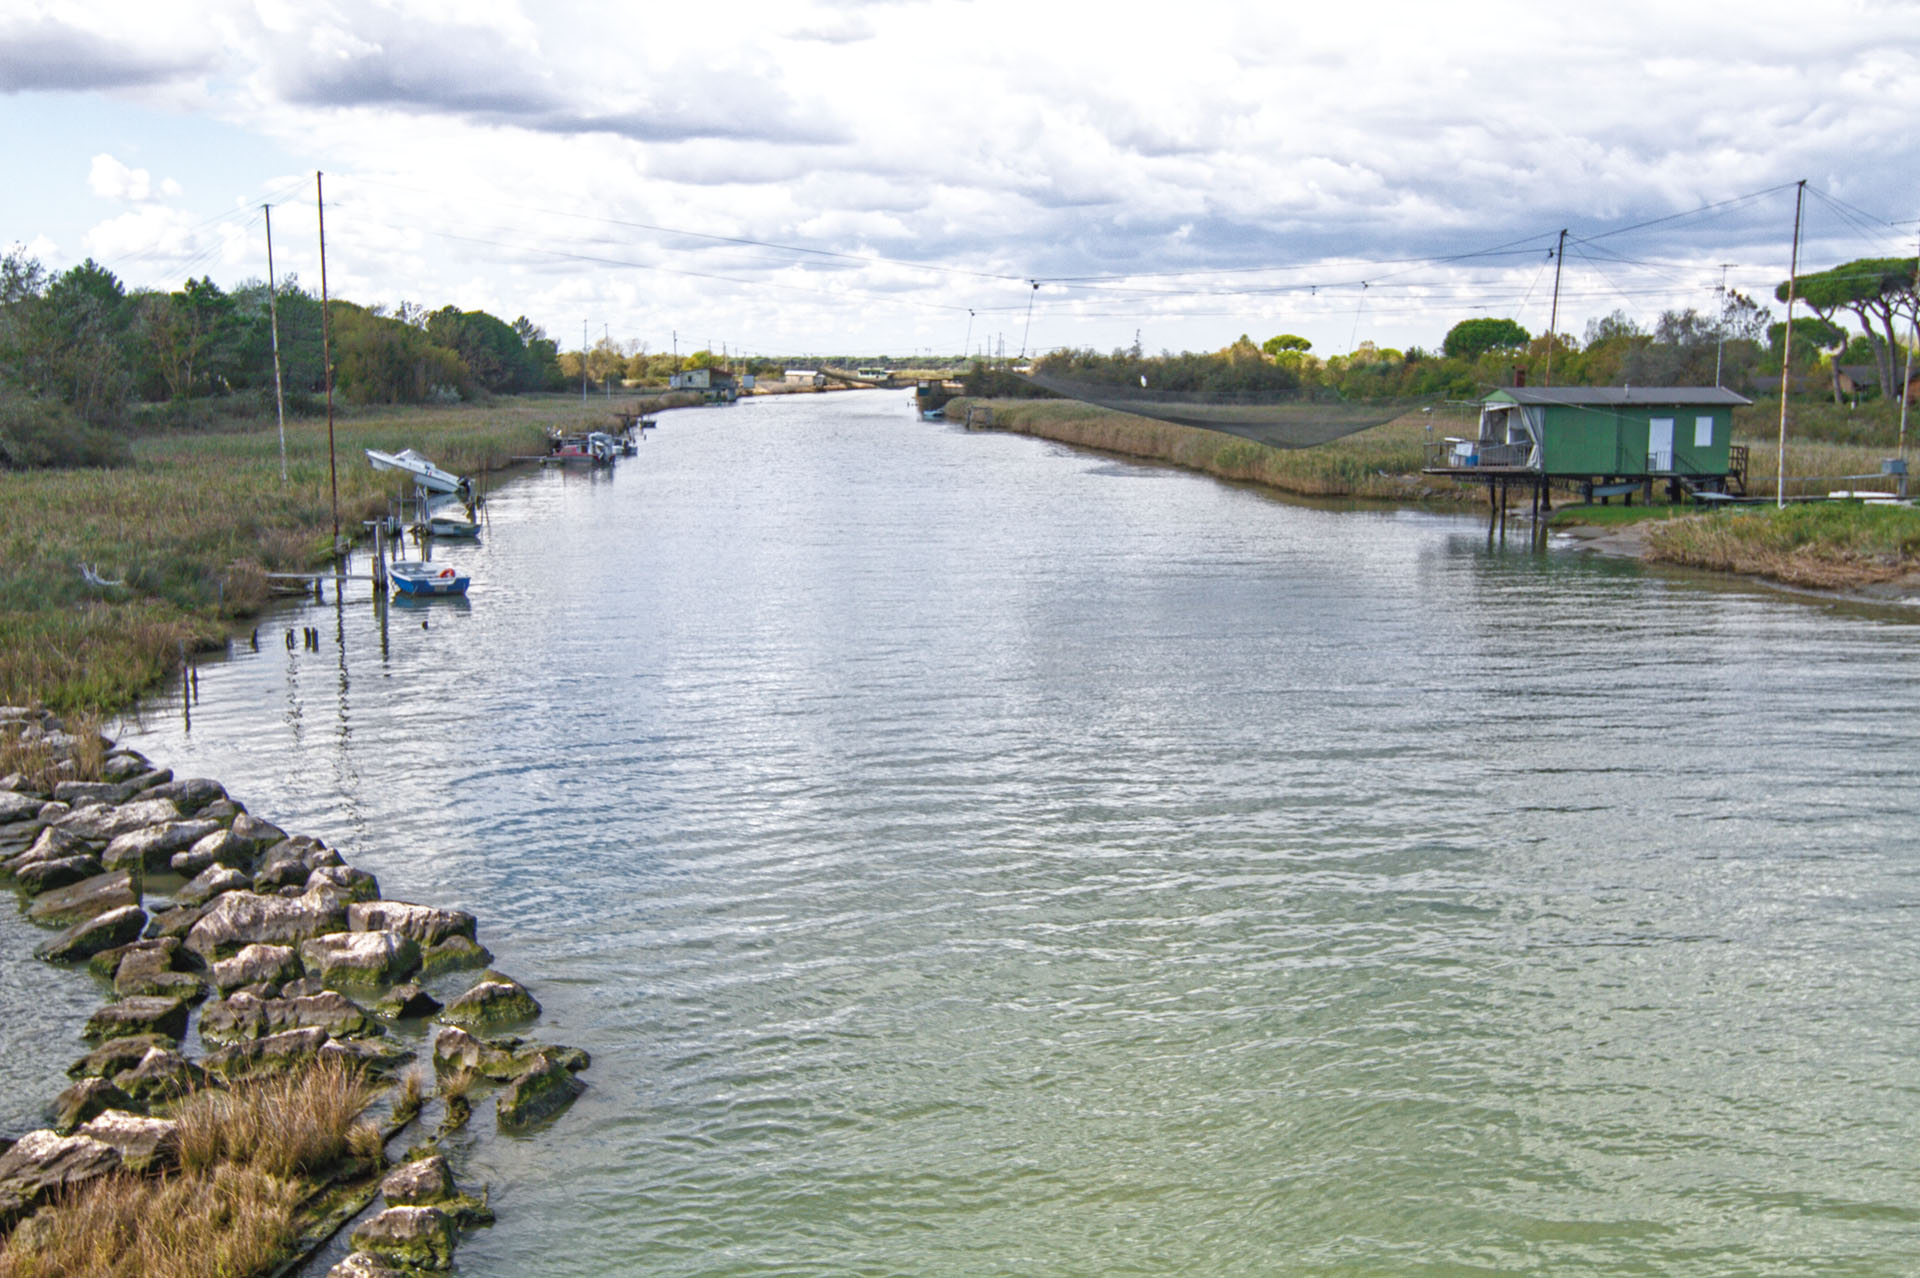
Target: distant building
[
  {"x": 805, "y": 377},
  {"x": 715, "y": 383},
  {"x": 1857, "y": 379}
]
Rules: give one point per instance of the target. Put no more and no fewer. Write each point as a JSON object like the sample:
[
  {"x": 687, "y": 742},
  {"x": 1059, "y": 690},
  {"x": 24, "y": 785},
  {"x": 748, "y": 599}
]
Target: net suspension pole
[
  {"x": 1786, "y": 350},
  {"x": 1029, "y": 329},
  {"x": 1906, "y": 378},
  {"x": 1553, "y": 319},
  {"x": 273, "y": 322},
  {"x": 326, "y": 357}
]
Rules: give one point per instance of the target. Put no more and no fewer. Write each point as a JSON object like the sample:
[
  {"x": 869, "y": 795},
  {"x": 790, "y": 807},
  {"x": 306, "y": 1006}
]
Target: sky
[{"x": 886, "y": 177}]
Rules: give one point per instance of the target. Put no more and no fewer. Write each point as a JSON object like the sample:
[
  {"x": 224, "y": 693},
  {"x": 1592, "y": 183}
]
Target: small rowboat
[{"x": 415, "y": 577}]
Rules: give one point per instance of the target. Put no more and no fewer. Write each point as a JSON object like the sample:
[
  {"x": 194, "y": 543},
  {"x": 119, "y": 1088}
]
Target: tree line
[
  {"x": 1740, "y": 346},
  {"x": 82, "y": 358}
]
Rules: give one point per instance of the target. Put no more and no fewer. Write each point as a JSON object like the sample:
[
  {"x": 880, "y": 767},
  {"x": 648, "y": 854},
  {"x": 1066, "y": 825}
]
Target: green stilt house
[{"x": 1605, "y": 439}]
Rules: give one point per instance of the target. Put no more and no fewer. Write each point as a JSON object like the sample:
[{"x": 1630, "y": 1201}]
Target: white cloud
[{"x": 1009, "y": 137}]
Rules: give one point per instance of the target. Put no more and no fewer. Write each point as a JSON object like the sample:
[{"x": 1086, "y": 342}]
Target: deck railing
[{"x": 1464, "y": 454}]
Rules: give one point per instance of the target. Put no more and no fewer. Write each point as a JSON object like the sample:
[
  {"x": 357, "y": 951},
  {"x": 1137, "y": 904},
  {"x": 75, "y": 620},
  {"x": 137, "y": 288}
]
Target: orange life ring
[{"x": 445, "y": 573}]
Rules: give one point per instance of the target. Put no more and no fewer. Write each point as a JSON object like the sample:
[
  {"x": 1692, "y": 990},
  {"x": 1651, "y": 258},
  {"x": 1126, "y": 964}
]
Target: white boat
[{"x": 425, "y": 473}]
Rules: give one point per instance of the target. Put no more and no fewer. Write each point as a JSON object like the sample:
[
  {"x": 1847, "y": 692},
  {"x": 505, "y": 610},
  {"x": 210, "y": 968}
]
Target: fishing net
[{"x": 1297, "y": 418}]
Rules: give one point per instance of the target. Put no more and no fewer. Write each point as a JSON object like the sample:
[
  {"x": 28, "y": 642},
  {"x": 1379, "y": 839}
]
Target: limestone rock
[
  {"x": 144, "y": 1144},
  {"x": 375, "y": 1055},
  {"x": 283, "y": 865},
  {"x": 190, "y": 986},
  {"x": 161, "y": 1075},
  {"x": 225, "y": 811},
  {"x": 258, "y": 834},
  {"x": 353, "y": 885},
  {"x": 541, "y": 1092},
  {"x": 495, "y": 999},
  {"x": 37, "y": 877},
  {"x": 116, "y": 1055},
  {"x": 362, "y": 1264},
  {"x": 257, "y": 965},
  {"x": 145, "y": 956},
  {"x": 147, "y": 780},
  {"x": 417, "y": 1236},
  {"x": 360, "y": 960},
  {"x": 502, "y": 1058},
  {"x": 270, "y": 1055},
  {"x": 15, "y": 806},
  {"x": 100, "y": 823},
  {"x": 423, "y": 923},
  {"x": 221, "y": 847},
  {"x": 406, "y": 1002},
  {"x": 54, "y": 843},
  {"x": 420, "y": 1183},
  {"x": 124, "y": 765},
  {"x": 84, "y": 899},
  {"x": 242, "y": 1016},
  {"x": 152, "y": 847},
  {"x": 174, "y": 922},
  {"x": 42, "y": 1164},
  {"x": 454, "y": 954},
  {"x": 80, "y": 793},
  {"x": 84, "y": 1100},
  {"x": 90, "y": 936},
  {"x": 189, "y": 795},
  {"x": 138, "y": 1015},
  {"x": 238, "y": 919},
  {"x": 211, "y": 882}
]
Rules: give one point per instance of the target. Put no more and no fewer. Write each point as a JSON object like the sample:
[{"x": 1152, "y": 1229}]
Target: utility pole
[
  {"x": 1553, "y": 321},
  {"x": 1786, "y": 350},
  {"x": 273, "y": 319},
  {"x": 607, "y": 331},
  {"x": 326, "y": 355},
  {"x": 1029, "y": 329},
  {"x": 1906, "y": 378},
  {"x": 583, "y": 361},
  {"x": 1720, "y": 326}
]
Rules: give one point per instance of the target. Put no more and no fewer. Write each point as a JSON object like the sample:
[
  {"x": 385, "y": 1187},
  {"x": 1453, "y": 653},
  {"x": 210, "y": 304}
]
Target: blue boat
[{"x": 415, "y": 577}]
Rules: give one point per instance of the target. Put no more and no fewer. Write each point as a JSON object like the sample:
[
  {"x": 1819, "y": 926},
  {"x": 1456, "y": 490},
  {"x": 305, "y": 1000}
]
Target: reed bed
[
  {"x": 178, "y": 545},
  {"x": 249, "y": 1159},
  {"x": 1381, "y": 463},
  {"x": 1823, "y": 545}
]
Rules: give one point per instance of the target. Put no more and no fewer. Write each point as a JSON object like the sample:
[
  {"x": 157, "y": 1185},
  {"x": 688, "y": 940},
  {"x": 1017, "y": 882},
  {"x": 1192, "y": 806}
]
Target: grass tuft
[{"x": 248, "y": 1161}]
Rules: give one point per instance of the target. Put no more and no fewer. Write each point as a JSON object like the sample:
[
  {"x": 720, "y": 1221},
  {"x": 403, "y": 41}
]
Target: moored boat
[
  {"x": 417, "y": 577},
  {"x": 425, "y": 474}
]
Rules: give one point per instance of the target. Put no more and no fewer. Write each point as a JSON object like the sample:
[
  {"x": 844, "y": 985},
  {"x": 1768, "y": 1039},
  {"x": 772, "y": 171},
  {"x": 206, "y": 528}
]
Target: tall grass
[
  {"x": 1824, "y": 545},
  {"x": 249, "y": 1159},
  {"x": 1383, "y": 462},
  {"x": 191, "y": 528}
]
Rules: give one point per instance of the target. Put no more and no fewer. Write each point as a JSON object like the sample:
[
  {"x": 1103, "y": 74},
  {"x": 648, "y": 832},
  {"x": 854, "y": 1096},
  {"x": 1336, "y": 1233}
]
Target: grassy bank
[
  {"x": 1829, "y": 546},
  {"x": 192, "y": 527},
  {"x": 1823, "y": 545},
  {"x": 1381, "y": 463}
]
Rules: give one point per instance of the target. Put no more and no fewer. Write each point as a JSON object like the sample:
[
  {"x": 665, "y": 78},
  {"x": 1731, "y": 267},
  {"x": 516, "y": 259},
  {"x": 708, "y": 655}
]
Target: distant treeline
[
  {"x": 83, "y": 360},
  {"x": 1740, "y": 347}
]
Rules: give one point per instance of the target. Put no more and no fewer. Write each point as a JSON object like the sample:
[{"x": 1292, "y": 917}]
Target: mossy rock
[
  {"x": 495, "y": 999},
  {"x": 421, "y": 1237}
]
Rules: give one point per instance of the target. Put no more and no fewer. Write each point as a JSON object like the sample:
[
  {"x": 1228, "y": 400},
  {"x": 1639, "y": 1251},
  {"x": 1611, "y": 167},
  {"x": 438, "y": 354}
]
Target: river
[{"x": 966, "y": 855}]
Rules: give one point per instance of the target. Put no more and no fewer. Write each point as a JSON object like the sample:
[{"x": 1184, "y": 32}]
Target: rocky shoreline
[{"x": 201, "y": 919}]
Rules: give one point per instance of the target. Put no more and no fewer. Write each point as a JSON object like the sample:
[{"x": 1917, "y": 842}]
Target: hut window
[{"x": 1703, "y": 432}]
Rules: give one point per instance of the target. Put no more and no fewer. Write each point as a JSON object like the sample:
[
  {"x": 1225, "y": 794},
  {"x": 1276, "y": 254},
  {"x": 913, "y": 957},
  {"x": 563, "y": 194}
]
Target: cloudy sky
[{"x": 893, "y": 177}]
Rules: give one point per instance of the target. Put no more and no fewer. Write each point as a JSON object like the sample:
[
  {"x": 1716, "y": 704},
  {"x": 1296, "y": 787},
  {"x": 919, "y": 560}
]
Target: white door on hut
[{"x": 1660, "y": 444}]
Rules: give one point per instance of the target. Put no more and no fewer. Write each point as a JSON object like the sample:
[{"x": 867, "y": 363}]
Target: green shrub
[{"x": 37, "y": 433}]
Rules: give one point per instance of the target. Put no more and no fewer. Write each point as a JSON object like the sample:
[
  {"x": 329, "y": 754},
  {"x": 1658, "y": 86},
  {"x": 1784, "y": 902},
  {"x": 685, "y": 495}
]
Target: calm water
[{"x": 963, "y": 855}]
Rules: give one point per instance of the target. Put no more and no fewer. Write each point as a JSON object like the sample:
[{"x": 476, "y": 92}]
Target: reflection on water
[{"x": 959, "y": 860}]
